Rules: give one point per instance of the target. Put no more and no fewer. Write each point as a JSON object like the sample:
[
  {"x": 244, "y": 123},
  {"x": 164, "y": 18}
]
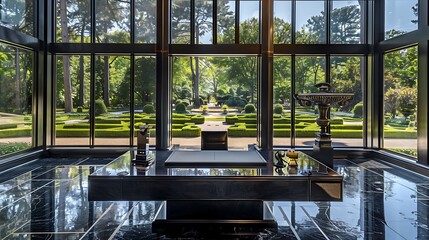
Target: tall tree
[{"x": 68, "y": 100}]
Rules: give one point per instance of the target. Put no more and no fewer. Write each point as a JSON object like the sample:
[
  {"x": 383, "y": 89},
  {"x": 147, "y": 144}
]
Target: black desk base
[{"x": 214, "y": 218}]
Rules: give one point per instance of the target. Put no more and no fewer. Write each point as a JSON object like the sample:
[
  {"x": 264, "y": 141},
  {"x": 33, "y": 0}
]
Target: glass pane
[
  {"x": 211, "y": 93},
  {"x": 347, "y": 121},
  {"x": 310, "y": 22},
  {"x": 17, "y": 15},
  {"x": 400, "y": 17},
  {"x": 145, "y": 95},
  {"x": 72, "y": 125},
  {"x": 282, "y": 22},
  {"x": 73, "y": 21},
  {"x": 346, "y": 19},
  {"x": 145, "y": 21},
  {"x": 203, "y": 21},
  {"x": 309, "y": 70},
  {"x": 282, "y": 99},
  {"x": 16, "y": 93},
  {"x": 112, "y": 21},
  {"x": 180, "y": 21},
  {"x": 226, "y": 22},
  {"x": 112, "y": 100},
  {"x": 400, "y": 101},
  {"x": 249, "y": 22}
]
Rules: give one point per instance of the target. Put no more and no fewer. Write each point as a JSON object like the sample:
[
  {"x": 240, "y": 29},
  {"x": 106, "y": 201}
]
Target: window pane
[
  {"x": 73, "y": 21},
  {"x": 145, "y": 95},
  {"x": 282, "y": 22},
  {"x": 112, "y": 21},
  {"x": 17, "y": 15},
  {"x": 347, "y": 121},
  {"x": 208, "y": 91},
  {"x": 400, "y": 17},
  {"x": 310, "y": 22},
  {"x": 180, "y": 21},
  {"x": 249, "y": 22},
  {"x": 145, "y": 21},
  {"x": 282, "y": 100},
  {"x": 203, "y": 21},
  {"x": 309, "y": 71},
  {"x": 16, "y": 93},
  {"x": 226, "y": 22},
  {"x": 400, "y": 101},
  {"x": 72, "y": 100},
  {"x": 346, "y": 18},
  {"x": 112, "y": 100}
]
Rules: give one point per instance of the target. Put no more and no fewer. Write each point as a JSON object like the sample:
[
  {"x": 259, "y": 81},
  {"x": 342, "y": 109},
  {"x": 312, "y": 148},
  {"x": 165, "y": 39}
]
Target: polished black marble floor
[{"x": 47, "y": 199}]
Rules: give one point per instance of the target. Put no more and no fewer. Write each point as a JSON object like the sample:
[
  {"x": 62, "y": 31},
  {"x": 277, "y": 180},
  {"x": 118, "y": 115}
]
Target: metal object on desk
[{"x": 142, "y": 159}]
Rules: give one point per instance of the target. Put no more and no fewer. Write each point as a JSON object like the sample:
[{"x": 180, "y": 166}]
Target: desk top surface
[{"x": 306, "y": 167}]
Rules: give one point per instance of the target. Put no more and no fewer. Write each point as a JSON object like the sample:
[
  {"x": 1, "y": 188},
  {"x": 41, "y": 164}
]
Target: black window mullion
[
  {"x": 92, "y": 77},
  {"x": 237, "y": 21},
  {"x": 132, "y": 21},
  {"x": 132, "y": 104},
  {"x": 292, "y": 101},
  {"x": 92, "y": 103},
  {"x": 92, "y": 13},
  {"x": 192, "y": 21},
  {"x": 328, "y": 7},
  {"x": 214, "y": 36},
  {"x": 293, "y": 23}
]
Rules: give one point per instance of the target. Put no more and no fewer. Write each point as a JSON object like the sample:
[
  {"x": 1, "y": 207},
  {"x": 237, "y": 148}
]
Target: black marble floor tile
[{"x": 49, "y": 201}]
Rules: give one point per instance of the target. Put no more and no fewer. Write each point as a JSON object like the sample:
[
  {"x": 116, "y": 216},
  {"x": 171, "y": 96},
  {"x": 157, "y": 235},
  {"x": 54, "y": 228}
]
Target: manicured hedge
[
  {"x": 8, "y": 126},
  {"x": 86, "y": 126},
  {"x": 400, "y": 134},
  {"x": 346, "y": 127},
  {"x": 15, "y": 132},
  {"x": 187, "y": 131}
]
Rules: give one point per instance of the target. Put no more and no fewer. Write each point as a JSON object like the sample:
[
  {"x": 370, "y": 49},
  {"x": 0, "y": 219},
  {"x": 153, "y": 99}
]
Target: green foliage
[
  {"x": 407, "y": 151},
  {"x": 249, "y": 108},
  {"x": 407, "y": 101},
  {"x": 181, "y": 108},
  {"x": 100, "y": 107},
  {"x": 149, "y": 108},
  {"x": 235, "y": 102},
  {"x": 6, "y": 148},
  {"x": 278, "y": 109},
  {"x": 8, "y": 126},
  {"x": 358, "y": 110},
  {"x": 15, "y": 132}
]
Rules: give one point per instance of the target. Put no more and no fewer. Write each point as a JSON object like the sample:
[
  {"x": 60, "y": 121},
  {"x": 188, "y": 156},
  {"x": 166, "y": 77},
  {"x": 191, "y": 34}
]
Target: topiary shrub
[
  {"x": 358, "y": 110},
  {"x": 100, "y": 107},
  {"x": 224, "y": 109},
  {"x": 278, "y": 108},
  {"x": 249, "y": 108},
  {"x": 181, "y": 108},
  {"x": 149, "y": 108},
  {"x": 235, "y": 102}
]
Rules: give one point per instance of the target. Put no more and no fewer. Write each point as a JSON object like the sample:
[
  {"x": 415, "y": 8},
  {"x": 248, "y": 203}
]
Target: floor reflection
[{"x": 50, "y": 202}]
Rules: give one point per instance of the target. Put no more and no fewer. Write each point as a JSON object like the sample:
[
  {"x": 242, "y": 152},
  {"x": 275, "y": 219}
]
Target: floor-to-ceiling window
[
  {"x": 105, "y": 66},
  {"x": 400, "y": 101},
  {"x": 16, "y": 76},
  {"x": 16, "y": 99}
]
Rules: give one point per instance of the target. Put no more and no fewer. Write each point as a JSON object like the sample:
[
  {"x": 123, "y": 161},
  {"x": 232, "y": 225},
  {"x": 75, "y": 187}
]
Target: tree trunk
[
  {"x": 106, "y": 81},
  {"x": 81, "y": 70},
  {"x": 197, "y": 82},
  {"x": 68, "y": 101},
  {"x": 17, "y": 82},
  {"x": 194, "y": 72}
]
